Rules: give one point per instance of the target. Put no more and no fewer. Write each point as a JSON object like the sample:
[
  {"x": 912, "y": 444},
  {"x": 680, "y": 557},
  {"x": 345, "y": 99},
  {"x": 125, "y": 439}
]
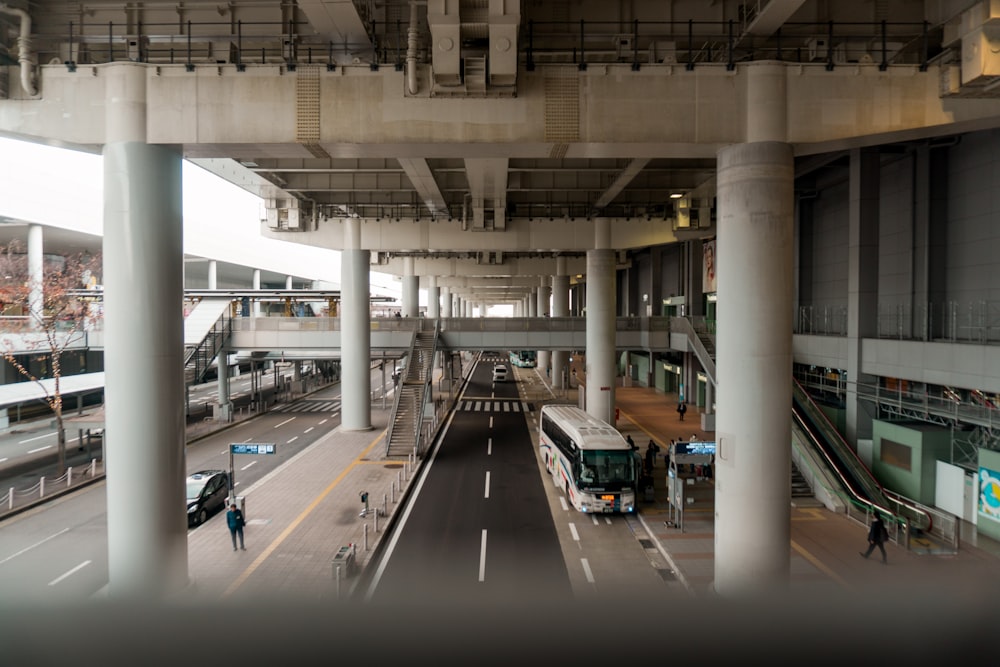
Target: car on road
[
  {"x": 499, "y": 373},
  {"x": 207, "y": 491}
]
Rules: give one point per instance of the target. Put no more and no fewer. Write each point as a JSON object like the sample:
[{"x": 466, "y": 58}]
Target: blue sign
[{"x": 251, "y": 448}]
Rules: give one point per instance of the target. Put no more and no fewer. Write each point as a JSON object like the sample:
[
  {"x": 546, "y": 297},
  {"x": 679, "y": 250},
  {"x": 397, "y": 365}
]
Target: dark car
[{"x": 207, "y": 491}]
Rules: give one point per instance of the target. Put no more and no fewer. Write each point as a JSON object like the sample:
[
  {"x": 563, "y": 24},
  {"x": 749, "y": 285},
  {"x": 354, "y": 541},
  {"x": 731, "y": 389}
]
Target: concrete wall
[{"x": 926, "y": 444}]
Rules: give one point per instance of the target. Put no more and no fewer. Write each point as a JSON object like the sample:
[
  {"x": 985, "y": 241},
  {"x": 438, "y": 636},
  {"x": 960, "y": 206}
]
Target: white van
[{"x": 499, "y": 373}]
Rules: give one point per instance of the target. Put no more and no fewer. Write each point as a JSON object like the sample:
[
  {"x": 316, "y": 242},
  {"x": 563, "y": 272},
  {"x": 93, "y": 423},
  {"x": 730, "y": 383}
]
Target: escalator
[{"x": 855, "y": 477}]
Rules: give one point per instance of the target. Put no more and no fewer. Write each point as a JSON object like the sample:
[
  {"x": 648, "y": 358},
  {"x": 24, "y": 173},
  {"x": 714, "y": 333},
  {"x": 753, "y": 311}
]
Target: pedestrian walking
[
  {"x": 631, "y": 442},
  {"x": 234, "y": 519},
  {"x": 651, "y": 449},
  {"x": 682, "y": 408},
  {"x": 877, "y": 536}
]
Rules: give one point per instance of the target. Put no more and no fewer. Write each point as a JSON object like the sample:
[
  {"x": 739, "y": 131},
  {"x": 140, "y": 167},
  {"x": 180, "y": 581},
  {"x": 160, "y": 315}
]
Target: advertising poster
[
  {"x": 989, "y": 494},
  {"x": 708, "y": 267}
]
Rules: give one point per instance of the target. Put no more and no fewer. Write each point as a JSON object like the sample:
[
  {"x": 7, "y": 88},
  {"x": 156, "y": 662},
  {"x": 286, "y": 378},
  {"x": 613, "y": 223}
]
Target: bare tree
[{"x": 43, "y": 315}]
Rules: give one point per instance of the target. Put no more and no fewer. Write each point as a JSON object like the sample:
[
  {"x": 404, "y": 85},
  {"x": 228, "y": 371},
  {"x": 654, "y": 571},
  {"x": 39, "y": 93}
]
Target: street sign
[{"x": 251, "y": 448}]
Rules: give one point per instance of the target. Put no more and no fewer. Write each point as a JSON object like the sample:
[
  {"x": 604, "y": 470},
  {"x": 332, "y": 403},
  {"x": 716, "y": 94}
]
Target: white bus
[{"x": 588, "y": 459}]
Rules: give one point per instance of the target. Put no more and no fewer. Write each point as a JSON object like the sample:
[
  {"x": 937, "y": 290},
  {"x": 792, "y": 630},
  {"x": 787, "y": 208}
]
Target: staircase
[
  {"x": 412, "y": 394},
  {"x": 702, "y": 342},
  {"x": 800, "y": 487},
  {"x": 201, "y": 347}
]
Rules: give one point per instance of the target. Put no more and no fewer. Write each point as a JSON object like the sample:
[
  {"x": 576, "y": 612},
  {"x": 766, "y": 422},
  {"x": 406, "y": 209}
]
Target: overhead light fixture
[{"x": 676, "y": 195}]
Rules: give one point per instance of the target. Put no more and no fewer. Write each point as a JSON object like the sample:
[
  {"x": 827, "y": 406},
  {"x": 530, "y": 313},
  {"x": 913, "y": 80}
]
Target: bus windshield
[{"x": 607, "y": 470}]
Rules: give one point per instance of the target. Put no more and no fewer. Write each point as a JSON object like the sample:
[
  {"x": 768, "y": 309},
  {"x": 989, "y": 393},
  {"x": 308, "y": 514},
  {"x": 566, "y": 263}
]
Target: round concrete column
[
  {"x": 433, "y": 297},
  {"x": 543, "y": 311},
  {"x": 355, "y": 331},
  {"x": 256, "y": 286},
  {"x": 411, "y": 289},
  {"x": 600, "y": 360},
  {"x": 754, "y": 361},
  {"x": 36, "y": 277},
  {"x": 446, "y": 302},
  {"x": 560, "y": 308},
  {"x": 144, "y": 343},
  {"x": 213, "y": 274},
  {"x": 222, "y": 384}
]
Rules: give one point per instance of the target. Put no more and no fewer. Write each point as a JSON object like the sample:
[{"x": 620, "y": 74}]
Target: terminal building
[{"x": 734, "y": 202}]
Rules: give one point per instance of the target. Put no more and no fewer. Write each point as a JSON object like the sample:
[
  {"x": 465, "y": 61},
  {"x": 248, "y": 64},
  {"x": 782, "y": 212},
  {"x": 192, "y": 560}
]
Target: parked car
[
  {"x": 207, "y": 491},
  {"x": 499, "y": 373}
]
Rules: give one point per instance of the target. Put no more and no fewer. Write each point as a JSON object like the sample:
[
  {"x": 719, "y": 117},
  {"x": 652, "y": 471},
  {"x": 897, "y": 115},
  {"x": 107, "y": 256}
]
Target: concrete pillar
[
  {"x": 213, "y": 274},
  {"x": 445, "y": 299},
  {"x": 533, "y": 304},
  {"x": 754, "y": 361},
  {"x": 144, "y": 341},
  {"x": 225, "y": 405},
  {"x": 543, "y": 291},
  {"x": 862, "y": 282},
  {"x": 433, "y": 298},
  {"x": 355, "y": 323},
  {"x": 600, "y": 360},
  {"x": 560, "y": 308},
  {"x": 256, "y": 286},
  {"x": 411, "y": 289},
  {"x": 289, "y": 282},
  {"x": 36, "y": 276}
]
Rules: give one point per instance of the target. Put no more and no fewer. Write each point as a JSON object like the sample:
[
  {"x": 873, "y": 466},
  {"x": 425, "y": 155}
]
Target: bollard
[
  {"x": 336, "y": 578},
  {"x": 41, "y": 487},
  {"x": 366, "y": 537},
  {"x": 69, "y": 476},
  {"x": 385, "y": 506},
  {"x": 10, "y": 498},
  {"x": 392, "y": 493},
  {"x": 376, "y": 520},
  {"x": 399, "y": 479}
]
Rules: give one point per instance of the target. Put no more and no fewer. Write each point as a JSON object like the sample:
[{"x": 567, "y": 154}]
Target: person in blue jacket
[{"x": 234, "y": 518}]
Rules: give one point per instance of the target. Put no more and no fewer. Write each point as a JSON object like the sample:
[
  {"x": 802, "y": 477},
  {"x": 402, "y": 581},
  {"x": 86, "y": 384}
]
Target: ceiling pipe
[
  {"x": 24, "y": 55},
  {"x": 411, "y": 49}
]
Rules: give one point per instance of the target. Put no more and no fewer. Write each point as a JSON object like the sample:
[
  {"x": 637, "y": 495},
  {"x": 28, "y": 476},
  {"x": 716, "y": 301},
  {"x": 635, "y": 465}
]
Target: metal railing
[
  {"x": 45, "y": 488},
  {"x": 638, "y": 43},
  {"x": 976, "y": 321}
]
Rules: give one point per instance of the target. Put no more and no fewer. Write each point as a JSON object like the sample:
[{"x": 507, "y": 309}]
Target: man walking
[
  {"x": 234, "y": 518},
  {"x": 877, "y": 536}
]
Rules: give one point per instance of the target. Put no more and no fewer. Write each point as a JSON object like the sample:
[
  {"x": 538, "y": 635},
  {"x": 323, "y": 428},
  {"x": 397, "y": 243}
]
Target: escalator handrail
[{"x": 833, "y": 435}]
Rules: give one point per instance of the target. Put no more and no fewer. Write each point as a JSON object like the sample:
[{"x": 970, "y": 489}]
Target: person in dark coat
[
  {"x": 682, "y": 408},
  {"x": 651, "y": 449},
  {"x": 234, "y": 519},
  {"x": 877, "y": 536}
]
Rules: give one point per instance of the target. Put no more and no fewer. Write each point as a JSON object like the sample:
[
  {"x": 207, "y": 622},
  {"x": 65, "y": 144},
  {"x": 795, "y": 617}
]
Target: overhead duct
[
  {"x": 505, "y": 17},
  {"x": 467, "y": 42},
  {"x": 446, "y": 41},
  {"x": 24, "y": 56}
]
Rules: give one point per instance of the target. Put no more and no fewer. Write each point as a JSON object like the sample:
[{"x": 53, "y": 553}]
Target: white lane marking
[
  {"x": 586, "y": 570},
  {"x": 39, "y": 449},
  {"x": 323, "y": 421},
  {"x": 482, "y": 558},
  {"x": 2, "y": 460},
  {"x": 607, "y": 520},
  {"x": 285, "y": 422},
  {"x": 252, "y": 463},
  {"x": 308, "y": 429},
  {"x": 292, "y": 440},
  {"x": 562, "y": 501},
  {"x": 37, "y": 437},
  {"x": 489, "y": 446},
  {"x": 36, "y": 544},
  {"x": 572, "y": 530},
  {"x": 593, "y": 517},
  {"x": 487, "y": 484},
  {"x": 491, "y": 421},
  {"x": 75, "y": 569}
]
